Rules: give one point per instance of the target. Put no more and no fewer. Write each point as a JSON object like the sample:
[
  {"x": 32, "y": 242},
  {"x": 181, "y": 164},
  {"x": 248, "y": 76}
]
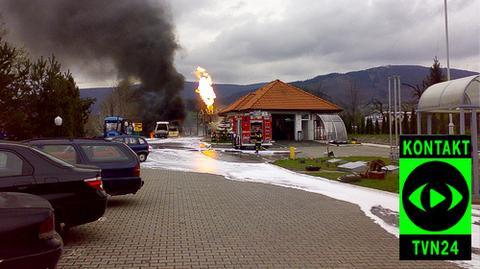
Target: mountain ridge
[{"x": 335, "y": 87}]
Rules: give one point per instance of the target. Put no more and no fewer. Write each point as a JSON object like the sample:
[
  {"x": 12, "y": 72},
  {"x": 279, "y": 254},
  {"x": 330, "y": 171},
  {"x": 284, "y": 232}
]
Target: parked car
[
  {"x": 120, "y": 167},
  {"x": 27, "y": 232},
  {"x": 137, "y": 143},
  {"x": 76, "y": 193},
  {"x": 173, "y": 131}
]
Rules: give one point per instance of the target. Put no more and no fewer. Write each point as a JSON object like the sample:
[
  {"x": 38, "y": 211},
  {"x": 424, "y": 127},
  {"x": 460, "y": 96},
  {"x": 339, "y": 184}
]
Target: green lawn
[
  {"x": 370, "y": 138},
  {"x": 328, "y": 170},
  {"x": 390, "y": 183}
]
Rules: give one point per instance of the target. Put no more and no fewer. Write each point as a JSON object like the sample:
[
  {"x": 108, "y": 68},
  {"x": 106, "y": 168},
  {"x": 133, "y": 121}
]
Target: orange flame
[{"x": 205, "y": 88}]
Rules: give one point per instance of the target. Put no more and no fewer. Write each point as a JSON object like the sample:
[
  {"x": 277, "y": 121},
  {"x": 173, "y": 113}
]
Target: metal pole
[
  {"x": 446, "y": 38},
  {"x": 429, "y": 123},
  {"x": 395, "y": 107},
  {"x": 390, "y": 111},
  {"x": 473, "y": 131},
  {"x": 419, "y": 122},
  {"x": 462, "y": 121},
  {"x": 451, "y": 126},
  {"x": 400, "y": 104}
]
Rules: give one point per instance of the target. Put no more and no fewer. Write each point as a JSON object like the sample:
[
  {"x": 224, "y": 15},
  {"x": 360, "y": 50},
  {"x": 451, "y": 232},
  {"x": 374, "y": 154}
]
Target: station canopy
[{"x": 450, "y": 96}]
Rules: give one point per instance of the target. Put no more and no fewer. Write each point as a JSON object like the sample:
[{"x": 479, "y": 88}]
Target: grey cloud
[
  {"x": 344, "y": 34},
  {"x": 249, "y": 41}
]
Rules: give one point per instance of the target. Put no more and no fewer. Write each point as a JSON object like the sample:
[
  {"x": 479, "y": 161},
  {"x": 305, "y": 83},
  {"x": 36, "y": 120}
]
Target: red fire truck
[{"x": 244, "y": 124}]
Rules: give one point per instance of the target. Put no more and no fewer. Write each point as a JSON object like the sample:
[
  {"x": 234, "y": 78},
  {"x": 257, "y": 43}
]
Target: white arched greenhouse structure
[
  {"x": 330, "y": 127},
  {"x": 459, "y": 96}
]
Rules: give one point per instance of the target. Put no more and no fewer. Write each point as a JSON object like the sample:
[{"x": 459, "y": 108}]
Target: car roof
[
  {"x": 68, "y": 140},
  {"x": 22, "y": 200},
  {"x": 113, "y": 118},
  {"x": 135, "y": 136},
  {"x": 12, "y": 144}
]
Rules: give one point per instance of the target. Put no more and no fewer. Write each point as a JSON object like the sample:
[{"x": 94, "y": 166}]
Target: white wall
[
  {"x": 310, "y": 127},
  {"x": 298, "y": 125}
]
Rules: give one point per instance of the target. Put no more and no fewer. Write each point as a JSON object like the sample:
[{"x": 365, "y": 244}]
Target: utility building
[{"x": 291, "y": 114}]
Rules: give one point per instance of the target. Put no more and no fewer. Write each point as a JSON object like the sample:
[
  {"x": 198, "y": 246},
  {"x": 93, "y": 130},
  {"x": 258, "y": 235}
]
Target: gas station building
[{"x": 293, "y": 114}]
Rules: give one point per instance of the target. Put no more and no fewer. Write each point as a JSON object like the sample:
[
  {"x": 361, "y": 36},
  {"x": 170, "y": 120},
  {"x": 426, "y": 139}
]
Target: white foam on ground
[
  {"x": 376, "y": 145},
  {"x": 261, "y": 152},
  {"x": 195, "y": 161},
  {"x": 189, "y": 141}
]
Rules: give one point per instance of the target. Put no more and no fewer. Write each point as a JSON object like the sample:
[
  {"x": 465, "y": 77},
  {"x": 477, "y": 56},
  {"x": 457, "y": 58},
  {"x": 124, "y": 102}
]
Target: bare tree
[
  {"x": 351, "y": 111},
  {"x": 377, "y": 106},
  {"x": 121, "y": 102},
  {"x": 417, "y": 90},
  {"x": 435, "y": 76},
  {"x": 353, "y": 97}
]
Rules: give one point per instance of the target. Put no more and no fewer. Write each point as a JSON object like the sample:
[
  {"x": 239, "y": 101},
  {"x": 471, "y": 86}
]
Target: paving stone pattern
[{"x": 189, "y": 220}]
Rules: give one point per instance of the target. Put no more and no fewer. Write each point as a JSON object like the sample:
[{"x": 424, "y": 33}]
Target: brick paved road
[{"x": 185, "y": 220}]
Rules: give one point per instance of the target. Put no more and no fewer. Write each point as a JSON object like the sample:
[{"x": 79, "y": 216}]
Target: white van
[{"x": 161, "y": 129}]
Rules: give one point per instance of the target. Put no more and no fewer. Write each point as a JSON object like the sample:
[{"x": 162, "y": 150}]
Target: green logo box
[{"x": 435, "y": 197}]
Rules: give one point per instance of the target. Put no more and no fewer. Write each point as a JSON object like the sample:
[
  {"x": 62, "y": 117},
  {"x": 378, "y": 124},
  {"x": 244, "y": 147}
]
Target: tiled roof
[{"x": 278, "y": 95}]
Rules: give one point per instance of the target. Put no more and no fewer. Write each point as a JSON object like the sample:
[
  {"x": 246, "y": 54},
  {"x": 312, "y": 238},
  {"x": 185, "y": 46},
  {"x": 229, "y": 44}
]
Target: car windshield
[
  {"x": 112, "y": 126},
  {"x": 162, "y": 127},
  {"x": 52, "y": 158}
]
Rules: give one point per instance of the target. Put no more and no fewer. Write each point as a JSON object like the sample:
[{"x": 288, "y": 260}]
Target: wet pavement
[
  {"x": 191, "y": 220},
  {"x": 223, "y": 153},
  {"x": 304, "y": 149},
  {"x": 171, "y": 145},
  {"x": 313, "y": 149},
  {"x": 190, "y": 154},
  {"x": 280, "y": 150},
  {"x": 307, "y": 149},
  {"x": 232, "y": 156}
]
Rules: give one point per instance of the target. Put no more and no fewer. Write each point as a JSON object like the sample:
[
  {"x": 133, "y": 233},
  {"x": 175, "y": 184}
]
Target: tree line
[{"x": 34, "y": 92}]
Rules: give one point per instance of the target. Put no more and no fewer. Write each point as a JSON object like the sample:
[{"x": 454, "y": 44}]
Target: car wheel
[{"x": 142, "y": 157}]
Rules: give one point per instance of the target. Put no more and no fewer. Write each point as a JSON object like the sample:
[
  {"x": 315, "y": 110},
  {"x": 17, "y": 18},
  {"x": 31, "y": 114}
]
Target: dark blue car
[
  {"x": 137, "y": 143},
  {"x": 119, "y": 164}
]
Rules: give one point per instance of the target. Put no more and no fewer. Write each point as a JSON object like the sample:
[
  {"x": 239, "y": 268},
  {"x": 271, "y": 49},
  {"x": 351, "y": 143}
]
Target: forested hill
[{"x": 336, "y": 87}]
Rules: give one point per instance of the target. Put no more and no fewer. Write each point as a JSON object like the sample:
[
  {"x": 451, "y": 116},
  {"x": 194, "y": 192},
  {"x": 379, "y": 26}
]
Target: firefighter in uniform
[{"x": 257, "y": 136}]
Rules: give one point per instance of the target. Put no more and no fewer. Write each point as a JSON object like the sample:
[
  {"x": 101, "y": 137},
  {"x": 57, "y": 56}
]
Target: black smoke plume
[{"x": 135, "y": 36}]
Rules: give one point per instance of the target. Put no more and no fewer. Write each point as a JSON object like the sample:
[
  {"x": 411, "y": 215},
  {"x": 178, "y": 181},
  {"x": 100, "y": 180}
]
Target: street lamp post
[
  {"x": 58, "y": 122},
  {"x": 451, "y": 125}
]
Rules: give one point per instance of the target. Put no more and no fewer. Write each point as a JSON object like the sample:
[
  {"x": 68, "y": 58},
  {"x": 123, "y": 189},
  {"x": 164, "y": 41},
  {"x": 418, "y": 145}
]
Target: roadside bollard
[{"x": 292, "y": 153}]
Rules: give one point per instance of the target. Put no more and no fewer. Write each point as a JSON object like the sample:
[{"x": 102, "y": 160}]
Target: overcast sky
[{"x": 262, "y": 40}]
